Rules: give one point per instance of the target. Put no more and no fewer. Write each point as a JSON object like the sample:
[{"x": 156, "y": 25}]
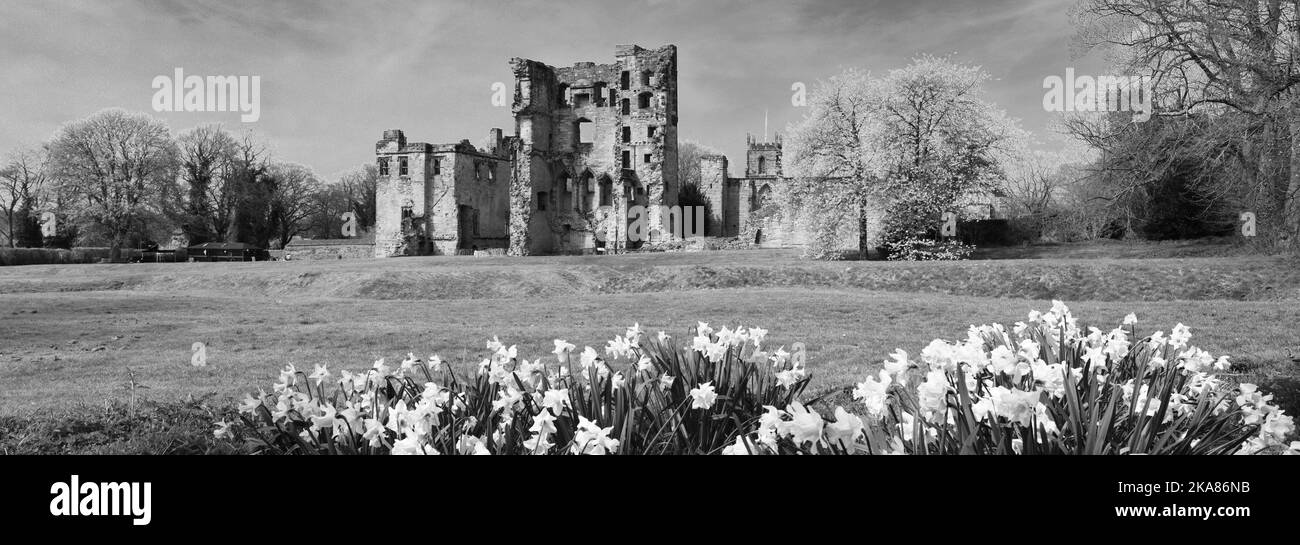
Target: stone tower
[
  {"x": 762, "y": 159},
  {"x": 593, "y": 140}
]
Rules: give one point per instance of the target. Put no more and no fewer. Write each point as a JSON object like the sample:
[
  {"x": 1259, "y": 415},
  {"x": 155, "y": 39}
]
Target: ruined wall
[
  {"x": 534, "y": 108},
  {"x": 395, "y": 191},
  {"x": 310, "y": 251},
  {"x": 482, "y": 205},
  {"x": 652, "y": 79},
  {"x": 735, "y": 199},
  {"x": 612, "y": 123},
  {"x": 457, "y": 197},
  {"x": 713, "y": 183},
  {"x": 442, "y": 218}
]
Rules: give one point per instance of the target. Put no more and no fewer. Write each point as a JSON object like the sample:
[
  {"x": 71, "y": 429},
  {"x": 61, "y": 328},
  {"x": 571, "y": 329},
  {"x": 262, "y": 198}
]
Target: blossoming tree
[{"x": 914, "y": 140}]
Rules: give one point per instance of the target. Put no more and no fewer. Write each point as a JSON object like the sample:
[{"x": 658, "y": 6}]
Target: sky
[{"x": 335, "y": 75}]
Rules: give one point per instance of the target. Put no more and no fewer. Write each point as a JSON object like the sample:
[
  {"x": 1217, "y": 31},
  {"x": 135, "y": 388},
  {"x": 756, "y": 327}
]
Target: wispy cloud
[{"x": 336, "y": 74}]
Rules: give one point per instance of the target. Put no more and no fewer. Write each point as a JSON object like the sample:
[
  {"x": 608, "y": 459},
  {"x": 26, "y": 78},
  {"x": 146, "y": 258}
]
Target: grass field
[{"x": 68, "y": 333}]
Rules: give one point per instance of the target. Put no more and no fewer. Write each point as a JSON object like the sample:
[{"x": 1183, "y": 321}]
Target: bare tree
[
  {"x": 116, "y": 164},
  {"x": 359, "y": 187},
  {"x": 292, "y": 201},
  {"x": 207, "y": 154},
  {"x": 1216, "y": 56},
  {"x": 23, "y": 181},
  {"x": 244, "y": 199}
]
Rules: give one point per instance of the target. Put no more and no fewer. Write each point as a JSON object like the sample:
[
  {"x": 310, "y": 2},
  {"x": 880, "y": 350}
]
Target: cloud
[{"x": 336, "y": 74}]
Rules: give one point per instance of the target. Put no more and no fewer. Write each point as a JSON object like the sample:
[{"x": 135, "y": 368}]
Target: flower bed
[{"x": 1046, "y": 386}]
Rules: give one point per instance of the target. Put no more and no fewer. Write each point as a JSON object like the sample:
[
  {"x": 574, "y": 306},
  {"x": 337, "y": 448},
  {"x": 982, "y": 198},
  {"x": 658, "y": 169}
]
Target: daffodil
[
  {"x": 1095, "y": 356},
  {"x": 380, "y": 369},
  {"x": 873, "y": 393},
  {"x": 845, "y": 430},
  {"x": 897, "y": 363},
  {"x": 620, "y": 347},
  {"x": 701, "y": 343},
  {"x": 1015, "y": 405},
  {"x": 325, "y": 420},
  {"x": 666, "y": 382},
  {"x": 1277, "y": 426},
  {"x": 470, "y": 445},
  {"x": 556, "y": 400},
  {"x": 1003, "y": 360},
  {"x": 933, "y": 394},
  {"x": 250, "y": 404},
  {"x": 780, "y": 357},
  {"x": 769, "y": 424},
  {"x": 804, "y": 425},
  {"x": 538, "y": 444},
  {"x": 593, "y": 439},
  {"x": 588, "y": 358},
  {"x": 319, "y": 373},
  {"x": 222, "y": 431},
  {"x": 562, "y": 350},
  {"x": 412, "y": 445},
  {"x": 543, "y": 423},
  {"x": 1179, "y": 336},
  {"x": 703, "y": 396},
  {"x": 789, "y": 377},
  {"x": 645, "y": 364},
  {"x": 703, "y": 330},
  {"x": 738, "y": 448}
]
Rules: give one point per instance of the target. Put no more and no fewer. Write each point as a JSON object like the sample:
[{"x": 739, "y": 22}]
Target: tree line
[{"x": 120, "y": 179}]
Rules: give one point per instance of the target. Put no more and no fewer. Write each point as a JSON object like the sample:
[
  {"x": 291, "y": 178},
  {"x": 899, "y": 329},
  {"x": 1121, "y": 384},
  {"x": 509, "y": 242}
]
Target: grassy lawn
[
  {"x": 1098, "y": 278},
  {"x": 62, "y": 348}
]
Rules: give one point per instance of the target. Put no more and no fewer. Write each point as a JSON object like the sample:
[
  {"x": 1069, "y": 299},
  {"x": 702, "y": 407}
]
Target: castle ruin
[{"x": 591, "y": 140}]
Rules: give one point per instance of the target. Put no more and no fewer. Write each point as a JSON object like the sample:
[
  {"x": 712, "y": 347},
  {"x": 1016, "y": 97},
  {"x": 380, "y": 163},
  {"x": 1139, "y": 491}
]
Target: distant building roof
[{"x": 225, "y": 246}]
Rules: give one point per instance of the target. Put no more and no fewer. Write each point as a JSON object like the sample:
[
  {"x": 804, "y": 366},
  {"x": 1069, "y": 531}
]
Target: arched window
[{"x": 762, "y": 165}]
